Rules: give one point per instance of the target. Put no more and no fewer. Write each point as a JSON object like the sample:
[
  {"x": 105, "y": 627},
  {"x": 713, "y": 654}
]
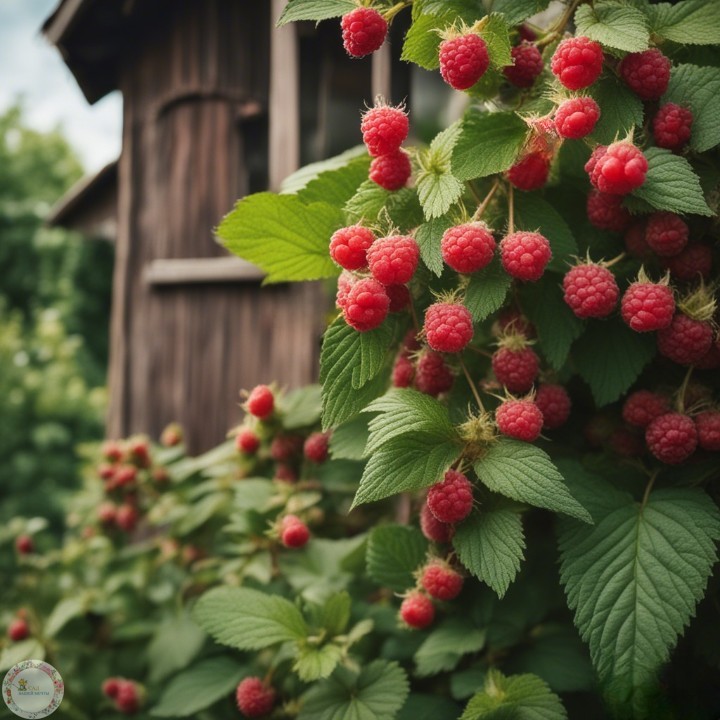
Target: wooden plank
[
  {"x": 381, "y": 82},
  {"x": 200, "y": 270}
]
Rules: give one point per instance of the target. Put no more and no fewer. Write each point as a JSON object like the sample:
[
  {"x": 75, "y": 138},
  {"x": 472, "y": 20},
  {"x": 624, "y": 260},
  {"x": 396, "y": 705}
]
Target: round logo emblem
[{"x": 33, "y": 689}]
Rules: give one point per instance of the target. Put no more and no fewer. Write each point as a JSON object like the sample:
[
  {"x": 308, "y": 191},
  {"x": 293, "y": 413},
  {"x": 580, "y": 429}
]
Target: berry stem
[
  {"x": 556, "y": 30},
  {"x": 396, "y": 8},
  {"x": 683, "y": 388},
  {"x": 648, "y": 488},
  {"x": 472, "y": 385},
  {"x": 486, "y": 200},
  {"x": 511, "y": 210}
]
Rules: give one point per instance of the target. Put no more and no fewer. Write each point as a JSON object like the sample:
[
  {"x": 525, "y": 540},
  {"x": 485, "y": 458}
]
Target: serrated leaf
[
  {"x": 525, "y": 473},
  {"x": 633, "y": 581},
  {"x": 515, "y": 11},
  {"x": 349, "y": 439},
  {"x": 314, "y": 10},
  {"x": 429, "y": 236},
  {"x": 486, "y": 290},
  {"x": 422, "y": 41},
  {"x": 691, "y": 22},
  {"x": 335, "y": 187},
  {"x": 437, "y": 192},
  {"x": 300, "y": 179},
  {"x": 335, "y": 613},
  {"x": 394, "y": 552},
  {"x": 616, "y": 26},
  {"x": 371, "y": 200},
  {"x": 620, "y": 109},
  {"x": 495, "y": 32},
  {"x": 446, "y": 645},
  {"x": 283, "y": 236},
  {"x": 491, "y": 545},
  {"x": 174, "y": 645},
  {"x": 315, "y": 663},
  {"x": 671, "y": 184},
  {"x": 301, "y": 408}
]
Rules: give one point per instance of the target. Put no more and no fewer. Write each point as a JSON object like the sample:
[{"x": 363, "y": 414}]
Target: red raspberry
[
  {"x": 393, "y": 260},
  {"x": 260, "y": 402},
  {"x": 666, "y": 233},
  {"x": 635, "y": 244},
  {"x": 646, "y": 73},
  {"x": 516, "y": 369},
  {"x": 468, "y": 248},
  {"x": 672, "y": 126},
  {"x": 403, "y": 372},
  {"x": 685, "y": 340},
  {"x": 294, "y": 532},
  {"x": 577, "y": 62},
  {"x": 345, "y": 283},
  {"x": 363, "y": 31},
  {"x": 463, "y": 60},
  {"x": 524, "y": 255},
  {"x": 451, "y": 499},
  {"x": 254, "y": 698},
  {"x": 511, "y": 321},
  {"x": 112, "y": 451},
  {"x": 316, "y": 447},
  {"x": 367, "y": 305},
  {"x": 575, "y": 118},
  {"x": 554, "y": 403},
  {"x": 695, "y": 260},
  {"x": 106, "y": 513},
  {"x": 433, "y": 529},
  {"x": 448, "y": 327},
  {"x": 111, "y": 686},
  {"x": 247, "y": 441},
  {"x": 521, "y": 419},
  {"x": 647, "y": 306},
  {"x": 18, "y": 630},
  {"x": 285, "y": 473},
  {"x": 391, "y": 171},
  {"x": 432, "y": 375},
  {"x": 126, "y": 517},
  {"x": 590, "y": 290},
  {"x": 527, "y": 65},
  {"x": 643, "y": 406},
  {"x": 384, "y": 129},
  {"x": 106, "y": 471},
  {"x": 441, "y": 581},
  {"x": 417, "y": 610},
  {"x": 530, "y": 172},
  {"x": 349, "y": 246},
  {"x": 708, "y": 430},
  {"x": 285, "y": 447},
  {"x": 125, "y": 476},
  {"x": 618, "y": 169},
  {"x": 671, "y": 438},
  {"x": 625, "y": 443},
  {"x": 139, "y": 452},
  {"x": 399, "y": 297},
  {"x": 606, "y": 211},
  {"x": 127, "y": 700},
  {"x": 24, "y": 544}
]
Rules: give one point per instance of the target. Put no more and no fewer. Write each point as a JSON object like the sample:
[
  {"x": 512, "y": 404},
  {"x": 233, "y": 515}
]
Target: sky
[{"x": 32, "y": 70}]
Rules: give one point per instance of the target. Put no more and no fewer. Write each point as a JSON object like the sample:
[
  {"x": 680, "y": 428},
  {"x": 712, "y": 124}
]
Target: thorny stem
[
  {"x": 511, "y": 210},
  {"x": 559, "y": 26},
  {"x": 681, "y": 392},
  {"x": 648, "y": 488},
  {"x": 486, "y": 201},
  {"x": 472, "y": 385}
]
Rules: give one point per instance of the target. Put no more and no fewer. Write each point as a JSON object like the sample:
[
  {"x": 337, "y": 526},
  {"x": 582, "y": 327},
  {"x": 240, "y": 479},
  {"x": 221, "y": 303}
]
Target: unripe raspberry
[
  {"x": 106, "y": 513},
  {"x": 617, "y": 169},
  {"x": 432, "y": 375},
  {"x": 634, "y": 240},
  {"x": 463, "y": 60},
  {"x": 433, "y": 529},
  {"x": 367, "y": 305},
  {"x": 112, "y": 451},
  {"x": 403, "y": 372},
  {"x": 468, "y": 248},
  {"x": 363, "y": 30},
  {"x": 575, "y": 118},
  {"x": 606, "y": 211},
  {"x": 527, "y": 65},
  {"x": 260, "y": 402},
  {"x": 391, "y": 171},
  {"x": 647, "y": 306},
  {"x": 18, "y": 629},
  {"x": 345, "y": 283},
  {"x": 399, "y": 296},
  {"x": 24, "y": 544},
  {"x": 448, "y": 327},
  {"x": 417, "y": 610},
  {"x": 126, "y": 517},
  {"x": 590, "y": 290},
  {"x": 666, "y": 233},
  {"x": 521, "y": 419},
  {"x": 393, "y": 260},
  {"x": 646, "y": 73},
  {"x": 671, "y": 438},
  {"x": 577, "y": 62},
  {"x": 708, "y": 430},
  {"x": 625, "y": 443},
  {"x": 111, "y": 686},
  {"x": 349, "y": 246},
  {"x": 672, "y": 126},
  {"x": 530, "y": 172},
  {"x": 685, "y": 340},
  {"x": 285, "y": 447},
  {"x": 294, "y": 532},
  {"x": 691, "y": 263},
  {"x": 384, "y": 129},
  {"x": 440, "y": 580},
  {"x": 125, "y": 476},
  {"x": 451, "y": 499},
  {"x": 516, "y": 369},
  {"x": 643, "y": 406},
  {"x": 525, "y": 255},
  {"x": 554, "y": 403},
  {"x": 172, "y": 435},
  {"x": 316, "y": 447},
  {"x": 247, "y": 441},
  {"x": 254, "y": 698}
]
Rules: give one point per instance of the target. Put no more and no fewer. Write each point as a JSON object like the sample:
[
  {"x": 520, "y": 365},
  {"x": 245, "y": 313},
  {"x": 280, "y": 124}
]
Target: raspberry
[
  {"x": 527, "y": 65},
  {"x": 111, "y": 686},
  {"x": 511, "y": 320},
  {"x": 432, "y": 375},
  {"x": 441, "y": 581},
  {"x": 417, "y": 610},
  {"x": 671, "y": 438},
  {"x": 316, "y": 447},
  {"x": 672, "y": 126},
  {"x": 577, "y": 62},
  {"x": 643, "y": 406},
  {"x": 393, "y": 260},
  {"x": 685, "y": 340},
  {"x": 590, "y": 290},
  {"x": 433, "y": 529},
  {"x": 530, "y": 172},
  {"x": 646, "y": 73},
  {"x": 106, "y": 513},
  {"x": 127, "y": 699},
  {"x": 125, "y": 476},
  {"x": 524, "y": 255},
  {"x": 24, "y": 544},
  {"x": 345, "y": 283},
  {"x": 349, "y": 246},
  {"x": 606, "y": 212},
  {"x": 554, "y": 404},
  {"x": 399, "y": 297},
  {"x": 708, "y": 430},
  {"x": 247, "y": 441},
  {"x": 695, "y": 260},
  {"x": 367, "y": 305},
  {"x": 260, "y": 402},
  {"x": 467, "y": 248},
  {"x": 384, "y": 129},
  {"x": 172, "y": 435},
  {"x": 448, "y": 327},
  {"x": 285, "y": 473},
  {"x": 139, "y": 452},
  {"x": 18, "y": 630},
  {"x": 106, "y": 471},
  {"x": 575, "y": 118},
  {"x": 285, "y": 447},
  {"x": 463, "y": 60},
  {"x": 625, "y": 443},
  {"x": 126, "y": 517},
  {"x": 521, "y": 419},
  {"x": 451, "y": 499},
  {"x": 617, "y": 169},
  {"x": 254, "y": 698},
  {"x": 635, "y": 244},
  {"x": 363, "y": 31},
  {"x": 112, "y": 451},
  {"x": 294, "y": 532},
  {"x": 391, "y": 171},
  {"x": 666, "y": 233},
  {"x": 647, "y": 306},
  {"x": 516, "y": 369},
  {"x": 403, "y": 372}
]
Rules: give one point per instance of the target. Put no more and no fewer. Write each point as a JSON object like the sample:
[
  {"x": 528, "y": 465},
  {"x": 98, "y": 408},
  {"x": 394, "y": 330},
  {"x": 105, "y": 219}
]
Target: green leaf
[
  {"x": 283, "y": 236},
  {"x": 496, "y": 34},
  {"x": 486, "y": 290},
  {"x": 314, "y": 10},
  {"x": 437, "y": 192},
  {"x": 176, "y": 642},
  {"x": 248, "y": 619},
  {"x": 671, "y": 184},
  {"x": 335, "y": 613},
  {"x": 633, "y": 581},
  {"x": 300, "y": 179},
  {"x": 691, "y": 22},
  {"x": 620, "y": 108},
  {"x": 376, "y": 692},
  {"x": 515, "y": 11},
  {"x": 491, "y": 545},
  {"x": 429, "y": 236},
  {"x": 422, "y": 41},
  {"x": 699, "y": 89},
  {"x": 349, "y": 439},
  {"x": 63, "y": 612},
  {"x": 525, "y": 473},
  {"x": 525, "y": 697},
  {"x": 489, "y": 143},
  {"x": 445, "y": 646},
  {"x": 30, "y": 649},
  {"x": 420, "y": 706},
  {"x": 394, "y": 553},
  {"x": 615, "y": 26},
  {"x": 199, "y": 687},
  {"x": 301, "y": 408},
  {"x": 315, "y": 663},
  {"x": 336, "y": 187},
  {"x": 370, "y": 200},
  {"x": 610, "y": 356}
]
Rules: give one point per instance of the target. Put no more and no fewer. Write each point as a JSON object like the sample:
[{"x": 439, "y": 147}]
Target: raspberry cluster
[
  {"x": 126, "y": 694},
  {"x": 384, "y": 129}
]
